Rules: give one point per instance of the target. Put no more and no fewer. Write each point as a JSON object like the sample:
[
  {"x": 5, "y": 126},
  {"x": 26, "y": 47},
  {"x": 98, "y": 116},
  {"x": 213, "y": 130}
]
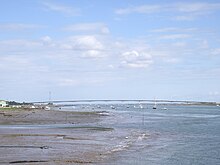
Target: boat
[
  {"x": 112, "y": 107},
  {"x": 155, "y": 105},
  {"x": 47, "y": 108},
  {"x": 141, "y": 106}
]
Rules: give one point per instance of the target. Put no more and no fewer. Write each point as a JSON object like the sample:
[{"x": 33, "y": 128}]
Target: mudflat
[{"x": 36, "y": 136}]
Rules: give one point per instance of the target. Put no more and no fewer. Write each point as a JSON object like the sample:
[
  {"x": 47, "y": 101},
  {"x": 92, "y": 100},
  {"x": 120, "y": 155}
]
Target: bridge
[{"x": 123, "y": 100}]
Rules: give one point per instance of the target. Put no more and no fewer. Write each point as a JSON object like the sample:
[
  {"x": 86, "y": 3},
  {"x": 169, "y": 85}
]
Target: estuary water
[
  {"x": 123, "y": 133},
  {"x": 171, "y": 134}
]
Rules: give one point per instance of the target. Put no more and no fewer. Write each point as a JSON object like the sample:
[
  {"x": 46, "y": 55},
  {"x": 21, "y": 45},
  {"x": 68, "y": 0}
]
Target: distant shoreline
[
  {"x": 131, "y": 101},
  {"x": 59, "y": 103}
]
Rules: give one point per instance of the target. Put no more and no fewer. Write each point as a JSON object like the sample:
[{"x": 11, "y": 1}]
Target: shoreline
[
  {"x": 40, "y": 116},
  {"x": 78, "y": 141}
]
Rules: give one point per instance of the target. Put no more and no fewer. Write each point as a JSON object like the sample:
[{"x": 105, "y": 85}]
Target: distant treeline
[{"x": 17, "y": 103}]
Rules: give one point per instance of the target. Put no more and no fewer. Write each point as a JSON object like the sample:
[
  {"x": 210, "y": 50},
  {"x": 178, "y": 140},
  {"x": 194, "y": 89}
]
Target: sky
[{"x": 96, "y": 49}]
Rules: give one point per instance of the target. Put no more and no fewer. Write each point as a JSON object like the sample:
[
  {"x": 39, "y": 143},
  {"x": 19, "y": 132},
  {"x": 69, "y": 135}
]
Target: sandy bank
[
  {"x": 76, "y": 142},
  {"x": 39, "y": 116}
]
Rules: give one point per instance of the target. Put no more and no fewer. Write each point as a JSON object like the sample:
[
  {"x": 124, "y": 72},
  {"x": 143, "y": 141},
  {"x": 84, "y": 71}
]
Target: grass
[{"x": 8, "y": 108}]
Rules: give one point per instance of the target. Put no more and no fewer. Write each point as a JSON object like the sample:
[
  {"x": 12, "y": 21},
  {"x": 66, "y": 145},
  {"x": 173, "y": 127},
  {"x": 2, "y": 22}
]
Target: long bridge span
[{"x": 123, "y": 100}]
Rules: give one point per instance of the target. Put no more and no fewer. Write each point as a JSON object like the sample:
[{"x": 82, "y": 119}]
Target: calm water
[
  {"x": 179, "y": 135},
  {"x": 182, "y": 134}
]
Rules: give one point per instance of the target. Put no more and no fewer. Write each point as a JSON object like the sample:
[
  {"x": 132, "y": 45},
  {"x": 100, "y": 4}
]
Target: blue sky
[{"x": 109, "y": 49}]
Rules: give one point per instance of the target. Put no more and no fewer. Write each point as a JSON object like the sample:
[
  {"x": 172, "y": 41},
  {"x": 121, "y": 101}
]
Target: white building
[{"x": 3, "y": 103}]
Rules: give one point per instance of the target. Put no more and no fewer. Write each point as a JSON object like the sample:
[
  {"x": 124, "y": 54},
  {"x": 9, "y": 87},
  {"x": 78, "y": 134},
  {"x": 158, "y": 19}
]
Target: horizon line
[{"x": 123, "y": 100}]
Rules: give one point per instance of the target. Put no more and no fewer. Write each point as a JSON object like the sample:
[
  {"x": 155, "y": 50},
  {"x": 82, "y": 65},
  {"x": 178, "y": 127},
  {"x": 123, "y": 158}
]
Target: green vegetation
[{"x": 8, "y": 108}]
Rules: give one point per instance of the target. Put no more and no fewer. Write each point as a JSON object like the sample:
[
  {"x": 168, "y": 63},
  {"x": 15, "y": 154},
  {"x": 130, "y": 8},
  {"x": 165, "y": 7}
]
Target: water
[{"x": 182, "y": 134}]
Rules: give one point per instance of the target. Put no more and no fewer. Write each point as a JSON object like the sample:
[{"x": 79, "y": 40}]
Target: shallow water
[
  {"x": 133, "y": 134},
  {"x": 182, "y": 134}
]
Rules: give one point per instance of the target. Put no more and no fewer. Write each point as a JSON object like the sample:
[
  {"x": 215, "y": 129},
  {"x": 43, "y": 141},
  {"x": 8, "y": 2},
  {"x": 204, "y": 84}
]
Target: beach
[
  {"x": 36, "y": 136},
  {"x": 99, "y": 134}
]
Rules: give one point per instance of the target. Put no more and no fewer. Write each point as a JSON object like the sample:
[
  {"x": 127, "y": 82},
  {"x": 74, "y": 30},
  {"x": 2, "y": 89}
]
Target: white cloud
[
  {"x": 187, "y": 17},
  {"x": 66, "y": 10},
  {"x": 19, "y": 26},
  {"x": 167, "y": 29},
  {"x": 173, "y": 29},
  {"x": 134, "y": 59},
  {"x": 183, "y": 11},
  {"x": 216, "y": 52},
  {"x": 92, "y": 54},
  {"x": 64, "y": 69},
  {"x": 175, "y": 36},
  {"x": 139, "y": 9},
  {"x": 87, "y": 42},
  {"x": 46, "y": 39},
  {"x": 19, "y": 43},
  {"x": 84, "y": 46},
  {"x": 196, "y": 7},
  {"x": 92, "y": 27},
  {"x": 87, "y": 45}
]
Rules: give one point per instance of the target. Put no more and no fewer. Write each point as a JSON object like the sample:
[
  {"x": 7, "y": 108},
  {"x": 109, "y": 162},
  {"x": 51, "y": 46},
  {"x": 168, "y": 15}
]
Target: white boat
[
  {"x": 155, "y": 105},
  {"x": 47, "y": 108},
  {"x": 112, "y": 107},
  {"x": 141, "y": 106}
]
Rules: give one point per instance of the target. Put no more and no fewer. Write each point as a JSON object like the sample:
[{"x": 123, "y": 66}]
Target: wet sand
[{"x": 53, "y": 137}]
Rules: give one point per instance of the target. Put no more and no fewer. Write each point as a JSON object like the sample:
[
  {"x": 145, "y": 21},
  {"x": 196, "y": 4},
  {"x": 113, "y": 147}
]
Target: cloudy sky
[{"x": 109, "y": 49}]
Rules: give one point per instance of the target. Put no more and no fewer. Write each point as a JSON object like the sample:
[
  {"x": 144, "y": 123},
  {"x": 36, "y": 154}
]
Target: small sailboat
[{"x": 155, "y": 105}]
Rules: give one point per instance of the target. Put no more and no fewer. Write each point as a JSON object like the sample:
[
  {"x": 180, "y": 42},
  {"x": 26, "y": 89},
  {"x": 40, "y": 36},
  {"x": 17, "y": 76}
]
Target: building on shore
[{"x": 3, "y": 103}]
